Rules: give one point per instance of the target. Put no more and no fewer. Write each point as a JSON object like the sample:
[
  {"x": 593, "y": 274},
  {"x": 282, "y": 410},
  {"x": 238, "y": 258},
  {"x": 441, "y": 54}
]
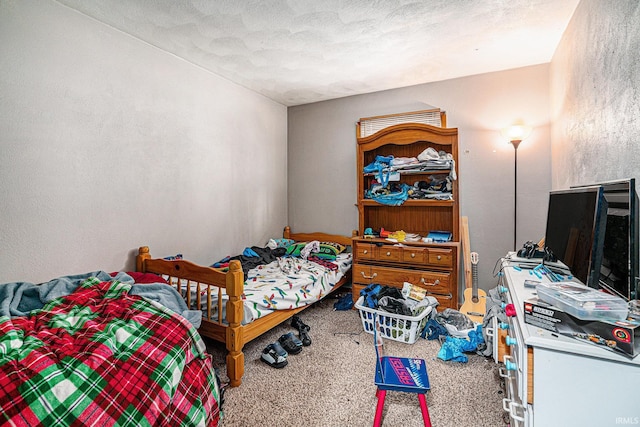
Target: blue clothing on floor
[{"x": 454, "y": 348}]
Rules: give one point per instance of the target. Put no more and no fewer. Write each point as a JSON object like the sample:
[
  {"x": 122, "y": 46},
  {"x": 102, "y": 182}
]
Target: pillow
[
  {"x": 339, "y": 248},
  {"x": 295, "y": 248},
  {"x": 327, "y": 250}
]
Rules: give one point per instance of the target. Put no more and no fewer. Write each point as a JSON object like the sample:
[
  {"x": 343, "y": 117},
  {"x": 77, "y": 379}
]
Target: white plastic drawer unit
[
  {"x": 512, "y": 403},
  {"x": 515, "y": 342},
  {"x": 514, "y": 367}
]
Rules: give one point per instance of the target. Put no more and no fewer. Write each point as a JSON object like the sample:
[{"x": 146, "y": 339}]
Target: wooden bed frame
[{"x": 209, "y": 281}]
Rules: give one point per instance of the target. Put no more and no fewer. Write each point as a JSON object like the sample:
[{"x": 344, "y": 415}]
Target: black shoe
[
  {"x": 303, "y": 330},
  {"x": 304, "y": 337},
  {"x": 291, "y": 343},
  {"x": 297, "y": 323}
]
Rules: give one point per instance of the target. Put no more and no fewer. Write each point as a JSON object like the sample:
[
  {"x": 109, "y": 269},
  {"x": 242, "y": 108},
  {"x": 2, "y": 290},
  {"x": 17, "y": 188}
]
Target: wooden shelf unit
[
  {"x": 415, "y": 216},
  {"x": 431, "y": 265}
]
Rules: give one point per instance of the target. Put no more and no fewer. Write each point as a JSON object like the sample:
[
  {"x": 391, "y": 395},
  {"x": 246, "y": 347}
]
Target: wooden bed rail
[
  {"x": 232, "y": 281},
  {"x": 323, "y": 237}
]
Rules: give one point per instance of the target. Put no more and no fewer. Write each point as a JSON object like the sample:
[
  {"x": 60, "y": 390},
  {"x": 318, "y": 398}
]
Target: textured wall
[
  {"x": 322, "y": 156},
  {"x": 595, "y": 90},
  {"x": 108, "y": 143}
]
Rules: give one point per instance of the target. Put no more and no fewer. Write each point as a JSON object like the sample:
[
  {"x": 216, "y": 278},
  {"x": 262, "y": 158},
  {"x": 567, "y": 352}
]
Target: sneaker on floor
[
  {"x": 304, "y": 337},
  {"x": 303, "y": 330},
  {"x": 274, "y": 355},
  {"x": 297, "y": 323},
  {"x": 290, "y": 343}
]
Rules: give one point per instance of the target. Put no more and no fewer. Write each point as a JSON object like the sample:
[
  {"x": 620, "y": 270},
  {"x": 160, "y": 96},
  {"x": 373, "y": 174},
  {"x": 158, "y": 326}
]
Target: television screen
[
  {"x": 575, "y": 231},
  {"x": 619, "y": 267}
]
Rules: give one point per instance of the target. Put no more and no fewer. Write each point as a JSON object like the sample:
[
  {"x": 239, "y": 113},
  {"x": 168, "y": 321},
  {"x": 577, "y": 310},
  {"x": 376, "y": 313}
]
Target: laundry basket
[{"x": 393, "y": 326}]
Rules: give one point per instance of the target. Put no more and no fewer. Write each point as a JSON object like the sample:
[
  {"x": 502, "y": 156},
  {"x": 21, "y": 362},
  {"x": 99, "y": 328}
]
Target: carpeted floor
[{"x": 330, "y": 383}]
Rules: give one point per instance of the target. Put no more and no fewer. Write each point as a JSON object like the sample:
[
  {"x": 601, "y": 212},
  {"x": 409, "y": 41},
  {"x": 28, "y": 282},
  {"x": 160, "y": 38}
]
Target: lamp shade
[{"x": 516, "y": 132}]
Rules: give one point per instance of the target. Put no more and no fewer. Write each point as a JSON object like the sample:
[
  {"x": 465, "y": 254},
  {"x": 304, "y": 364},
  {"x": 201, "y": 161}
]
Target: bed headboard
[{"x": 321, "y": 237}]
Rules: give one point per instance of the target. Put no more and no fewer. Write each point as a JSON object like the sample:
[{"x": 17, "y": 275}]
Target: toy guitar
[{"x": 475, "y": 300}]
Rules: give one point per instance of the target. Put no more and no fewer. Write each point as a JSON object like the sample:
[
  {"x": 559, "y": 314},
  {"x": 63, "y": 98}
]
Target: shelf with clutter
[{"x": 408, "y": 211}]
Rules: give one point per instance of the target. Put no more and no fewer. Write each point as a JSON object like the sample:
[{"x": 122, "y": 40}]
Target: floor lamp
[{"x": 516, "y": 134}]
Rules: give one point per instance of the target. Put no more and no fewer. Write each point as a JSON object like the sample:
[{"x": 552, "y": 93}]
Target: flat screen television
[
  {"x": 575, "y": 230},
  {"x": 620, "y": 258}
]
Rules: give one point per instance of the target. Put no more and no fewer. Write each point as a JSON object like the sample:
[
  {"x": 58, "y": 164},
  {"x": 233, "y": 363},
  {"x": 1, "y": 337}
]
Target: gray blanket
[{"x": 21, "y": 298}]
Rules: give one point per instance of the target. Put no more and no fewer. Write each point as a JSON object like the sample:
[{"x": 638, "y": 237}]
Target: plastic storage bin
[
  {"x": 393, "y": 326},
  {"x": 582, "y": 301}
]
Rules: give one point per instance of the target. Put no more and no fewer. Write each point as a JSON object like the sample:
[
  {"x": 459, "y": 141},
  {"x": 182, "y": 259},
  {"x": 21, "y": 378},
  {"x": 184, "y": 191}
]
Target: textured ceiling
[{"x": 302, "y": 51}]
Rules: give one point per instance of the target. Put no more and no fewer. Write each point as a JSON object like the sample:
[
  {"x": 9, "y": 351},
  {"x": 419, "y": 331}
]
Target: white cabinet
[{"x": 553, "y": 380}]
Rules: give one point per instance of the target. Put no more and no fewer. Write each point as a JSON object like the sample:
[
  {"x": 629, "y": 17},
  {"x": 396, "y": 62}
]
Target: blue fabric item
[
  {"x": 380, "y": 163},
  {"x": 384, "y": 159},
  {"x": 222, "y": 261},
  {"x": 21, "y": 298},
  {"x": 454, "y": 348},
  {"x": 383, "y": 175},
  {"x": 370, "y": 294},
  {"x": 168, "y": 297},
  {"x": 371, "y": 167},
  {"x": 433, "y": 330},
  {"x": 344, "y": 303},
  {"x": 392, "y": 199},
  {"x": 248, "y": 252}
]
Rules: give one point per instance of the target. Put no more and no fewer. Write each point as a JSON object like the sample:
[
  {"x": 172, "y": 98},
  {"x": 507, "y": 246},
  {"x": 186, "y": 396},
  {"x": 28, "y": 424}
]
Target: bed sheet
[
  {"x": 286, "y": 283},
  {"x": 290, "y": 282},
  {"x": 101, "y": 356}
]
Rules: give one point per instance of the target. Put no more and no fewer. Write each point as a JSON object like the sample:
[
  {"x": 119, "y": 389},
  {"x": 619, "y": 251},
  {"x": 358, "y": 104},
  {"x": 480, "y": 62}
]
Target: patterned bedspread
[
  {"x": 102, "y": 357},
  {"x": 287, "y": 282}
]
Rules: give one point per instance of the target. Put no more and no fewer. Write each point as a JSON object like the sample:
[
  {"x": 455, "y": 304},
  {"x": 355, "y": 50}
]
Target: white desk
[{"x": 559, "y": 381}]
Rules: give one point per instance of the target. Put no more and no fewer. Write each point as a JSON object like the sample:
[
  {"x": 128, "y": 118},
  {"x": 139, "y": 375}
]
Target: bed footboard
[{"x": 200, "y": 285}]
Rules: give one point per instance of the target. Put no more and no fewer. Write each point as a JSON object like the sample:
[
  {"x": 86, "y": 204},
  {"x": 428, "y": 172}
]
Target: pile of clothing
[
  {"x": 387, "y": 169},
  {"x": 457, "y": 333},
  {"x": 395, "y": 301}
]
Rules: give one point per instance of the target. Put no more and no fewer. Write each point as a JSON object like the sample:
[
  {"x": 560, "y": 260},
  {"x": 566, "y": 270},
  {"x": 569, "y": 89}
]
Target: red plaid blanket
[{"x": 102, "y": 357}]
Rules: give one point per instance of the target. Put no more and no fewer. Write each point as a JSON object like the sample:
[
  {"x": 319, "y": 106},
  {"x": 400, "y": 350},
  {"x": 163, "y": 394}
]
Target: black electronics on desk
[
  {"x": 575, "y": 231},
  {"x": 619, "y": 269}
]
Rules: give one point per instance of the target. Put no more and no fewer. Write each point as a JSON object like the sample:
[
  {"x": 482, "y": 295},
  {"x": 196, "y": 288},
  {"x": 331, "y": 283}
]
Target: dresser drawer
[
  {"x": 441, "y": 257},
  {"x": 389, "y": 253},
  {"x": 437, "y": 282},
  {"x": 364, "y": 251},
  {"x": 415, "y": 255}
]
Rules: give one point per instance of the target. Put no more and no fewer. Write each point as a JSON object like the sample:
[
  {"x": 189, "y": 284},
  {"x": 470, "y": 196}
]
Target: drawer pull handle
[
  {"x": 365, "y": 252},
  {"x": 424, "y": 282},
  {"x": 441, "y": 296},
  {"x": 413, "y": 254},
  {"x": 503, "y": 372},
  {"x": 511, "y": 407},
  {"x": 439, "y": 257},
  {"x": 373, "y": 276},
  {"x": 388, "y": 253}
]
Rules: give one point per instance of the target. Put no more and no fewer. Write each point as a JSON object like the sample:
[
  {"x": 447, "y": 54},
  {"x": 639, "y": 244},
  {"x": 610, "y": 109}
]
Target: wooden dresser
[{"x": 433, "y": 266}]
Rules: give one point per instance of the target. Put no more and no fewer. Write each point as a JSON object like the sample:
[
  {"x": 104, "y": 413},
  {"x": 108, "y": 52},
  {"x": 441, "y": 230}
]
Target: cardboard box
[{"x": 622, "y": 336}]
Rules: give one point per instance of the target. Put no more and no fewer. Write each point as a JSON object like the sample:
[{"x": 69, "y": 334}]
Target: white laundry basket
[{"x": 393, "y": 326}]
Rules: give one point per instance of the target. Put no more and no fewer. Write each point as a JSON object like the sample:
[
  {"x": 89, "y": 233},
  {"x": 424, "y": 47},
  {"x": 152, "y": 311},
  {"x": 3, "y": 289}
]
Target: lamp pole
[{"x": 515, "y": 143}]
